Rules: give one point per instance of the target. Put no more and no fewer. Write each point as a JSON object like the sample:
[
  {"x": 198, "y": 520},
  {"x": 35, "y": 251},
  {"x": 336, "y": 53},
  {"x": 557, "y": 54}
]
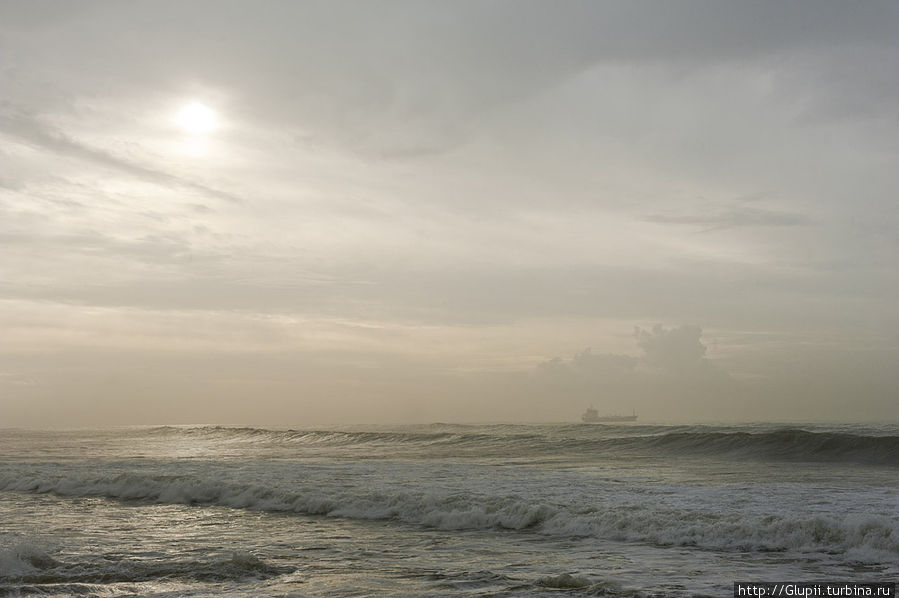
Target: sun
[{"x": 196, "y": 118}]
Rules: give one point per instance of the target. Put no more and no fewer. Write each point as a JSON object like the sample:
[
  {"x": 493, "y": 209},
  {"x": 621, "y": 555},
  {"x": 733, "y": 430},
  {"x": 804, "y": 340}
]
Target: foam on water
[
  {"x": 699, "y": 500},
  {"x": 649, "y": 520}
]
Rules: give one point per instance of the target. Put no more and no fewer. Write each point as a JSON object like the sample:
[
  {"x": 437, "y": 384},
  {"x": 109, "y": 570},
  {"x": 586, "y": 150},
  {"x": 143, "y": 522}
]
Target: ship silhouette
[{"x": 592, "y": 416}]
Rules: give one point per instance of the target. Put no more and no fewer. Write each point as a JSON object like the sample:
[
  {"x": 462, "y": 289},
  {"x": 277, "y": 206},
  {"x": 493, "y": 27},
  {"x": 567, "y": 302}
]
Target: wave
[
  {"x": 30, "y": 570},
  {"x": 863, "y": 537},
  {"x": 328, "y": 437},
  {"x": 23, "y": 559},
  {"x": 787, "y": 444},
  {"x": 493, "y": 583},
  {"x": 29, "y": 564}
]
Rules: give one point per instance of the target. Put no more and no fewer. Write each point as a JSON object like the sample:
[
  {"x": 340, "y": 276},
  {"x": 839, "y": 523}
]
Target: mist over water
[{"x": 446, "y": 509}]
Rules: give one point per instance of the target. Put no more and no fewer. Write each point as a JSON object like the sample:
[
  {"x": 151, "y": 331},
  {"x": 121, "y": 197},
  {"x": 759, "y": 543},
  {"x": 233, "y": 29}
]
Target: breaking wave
[{"x": 861, "y": 536}]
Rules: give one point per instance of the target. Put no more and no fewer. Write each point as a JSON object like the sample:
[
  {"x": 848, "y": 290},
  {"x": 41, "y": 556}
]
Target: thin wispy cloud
[
  {"x": 31, "y": 130},
  {"x": 733, "y": 217}
]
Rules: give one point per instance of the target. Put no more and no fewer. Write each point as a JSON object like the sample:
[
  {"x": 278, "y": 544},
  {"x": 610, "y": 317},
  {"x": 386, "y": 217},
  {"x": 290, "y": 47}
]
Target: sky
[{"x": 306, "y": 213}]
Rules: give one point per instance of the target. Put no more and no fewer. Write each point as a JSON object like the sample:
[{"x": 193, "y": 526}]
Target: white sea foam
[{"x": 647, "y": 521}]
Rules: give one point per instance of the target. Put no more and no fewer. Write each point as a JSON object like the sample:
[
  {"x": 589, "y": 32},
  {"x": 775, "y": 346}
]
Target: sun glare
[{"x": 196, "y": 118}]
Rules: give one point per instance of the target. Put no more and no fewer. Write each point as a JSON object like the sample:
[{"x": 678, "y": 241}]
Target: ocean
[{"x": 446, "y": 510}]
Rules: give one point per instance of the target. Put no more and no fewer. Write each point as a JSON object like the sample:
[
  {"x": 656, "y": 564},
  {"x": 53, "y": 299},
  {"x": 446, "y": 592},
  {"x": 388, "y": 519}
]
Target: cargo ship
[{"x": 592, "y": 416}]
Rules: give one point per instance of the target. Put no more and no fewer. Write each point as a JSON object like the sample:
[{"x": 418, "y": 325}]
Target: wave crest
[
  {"x": 865, "y": 535},
  {"x": 787, "y": 444}
]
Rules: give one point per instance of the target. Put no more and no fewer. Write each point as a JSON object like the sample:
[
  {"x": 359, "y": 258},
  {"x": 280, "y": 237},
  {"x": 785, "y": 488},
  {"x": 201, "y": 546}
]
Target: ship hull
[{"x": 609, "y": 419}]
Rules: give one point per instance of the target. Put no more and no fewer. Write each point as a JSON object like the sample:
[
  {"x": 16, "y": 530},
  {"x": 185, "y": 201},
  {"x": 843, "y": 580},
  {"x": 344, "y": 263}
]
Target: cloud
[
  {"x": 589, "y": 366},
  {"x": 468, "y": 169},
  {"x": 673, "y": 348},
  {"x": 26, "y": 128},
  {"x": 671, "y": 377},
  {"x": 405, "y": 78},
  {"x": 733, "y": 217}
]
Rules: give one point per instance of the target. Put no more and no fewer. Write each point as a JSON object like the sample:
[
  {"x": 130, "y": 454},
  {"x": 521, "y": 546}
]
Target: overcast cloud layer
[{"x": 420, "y": 211}]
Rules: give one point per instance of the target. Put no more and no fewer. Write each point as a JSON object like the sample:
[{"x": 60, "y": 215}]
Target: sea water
[{"x": 446, "y": 510}]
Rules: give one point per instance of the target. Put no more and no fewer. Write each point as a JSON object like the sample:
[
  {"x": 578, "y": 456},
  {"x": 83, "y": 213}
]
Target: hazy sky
[{"x": 453, "y": 211}]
